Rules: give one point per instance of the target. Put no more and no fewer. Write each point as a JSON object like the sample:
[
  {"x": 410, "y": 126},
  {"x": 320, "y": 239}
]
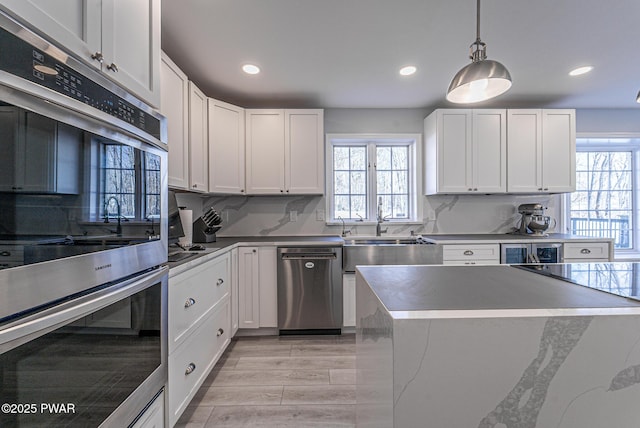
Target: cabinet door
[
  {"x": 234, "y": 292},
  {"x": 174, "y": 105},
  {"x": 265, "y": 151},
  {"x": 153, "y": 416},
  {"x": 131, "y": 46},
  {"x": 349, "y": 300},
  {"x": 454, "y": 139},
  {"x": 74, "y": 24},
  {"x": 268, "y": 286},
  {"x": 558, "y": 151},
  {"x": 226, "y": 148},
  {"x": 524, "y": 151},
  {"x": 489, "y": 151},
  {"x": 304, "y": 151},
  {"x": 248, "y": 288},
  {"x": 198, "y": 152}
]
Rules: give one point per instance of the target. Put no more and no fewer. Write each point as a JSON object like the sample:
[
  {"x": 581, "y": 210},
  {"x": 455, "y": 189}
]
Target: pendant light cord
[{"x": 478, "y": 22}]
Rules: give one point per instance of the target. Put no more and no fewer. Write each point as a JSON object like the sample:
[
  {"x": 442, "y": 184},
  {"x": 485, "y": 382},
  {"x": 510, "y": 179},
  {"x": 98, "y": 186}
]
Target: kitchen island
[{"x": 492, "y": 346}]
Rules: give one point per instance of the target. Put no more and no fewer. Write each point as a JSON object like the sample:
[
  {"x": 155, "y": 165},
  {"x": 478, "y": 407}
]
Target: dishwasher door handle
[{"x": 309, "y": 256}]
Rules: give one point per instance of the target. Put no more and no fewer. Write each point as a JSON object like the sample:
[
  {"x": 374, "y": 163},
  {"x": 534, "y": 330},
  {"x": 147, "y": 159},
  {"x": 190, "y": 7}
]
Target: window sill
[{"x": 373, "y": 223}]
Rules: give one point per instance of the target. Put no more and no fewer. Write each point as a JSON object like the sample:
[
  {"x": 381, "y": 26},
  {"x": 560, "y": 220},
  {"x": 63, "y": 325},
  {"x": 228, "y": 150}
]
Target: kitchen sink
[{"x": 389, "y": 251}]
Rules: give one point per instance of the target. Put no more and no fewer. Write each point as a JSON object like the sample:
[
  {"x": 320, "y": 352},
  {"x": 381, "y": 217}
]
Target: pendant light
[
  {"x": 482, "y": 79},
  {"x": 638, "y": 97}
]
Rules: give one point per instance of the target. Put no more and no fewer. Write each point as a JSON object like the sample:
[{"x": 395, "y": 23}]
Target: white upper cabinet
[
  {"x": 226, "y": 148},
  {"x": 174, "y": 105},
  {"x": 541, "y": 146},
  {"x": 304, "y": 151},
  {"x": 198, "y": 145},
  {"x": 119, "y": 37},
  {"x": 285, "y": 151},
  {"x": 465, "y": 151}
]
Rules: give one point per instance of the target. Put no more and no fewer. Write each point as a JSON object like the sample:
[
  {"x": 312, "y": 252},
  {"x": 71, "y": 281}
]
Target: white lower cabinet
[
  {"x": 153, "y": 417},
  {"x": 257, "y": 287},
  {"x": 477, "y": 254},
  {"x": 349, "y": 300},
  {"x": 199, "y": 318}
]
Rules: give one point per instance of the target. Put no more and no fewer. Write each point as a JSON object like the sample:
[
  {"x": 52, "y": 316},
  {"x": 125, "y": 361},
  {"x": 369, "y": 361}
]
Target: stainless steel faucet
[
  {"x": 381, "y": 218},
  {"x": 119, "y": 213},
  {"x": 344, "y": 231}
]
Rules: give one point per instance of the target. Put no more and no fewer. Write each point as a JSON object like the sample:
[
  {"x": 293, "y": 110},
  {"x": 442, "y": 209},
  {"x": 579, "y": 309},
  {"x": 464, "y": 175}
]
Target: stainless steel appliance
[
  {"x": 83, "y": 235},
  {"x": 531, "y": 253},
  {"x": 533, "y": 220},
  {"x": 309, "y": 290}
]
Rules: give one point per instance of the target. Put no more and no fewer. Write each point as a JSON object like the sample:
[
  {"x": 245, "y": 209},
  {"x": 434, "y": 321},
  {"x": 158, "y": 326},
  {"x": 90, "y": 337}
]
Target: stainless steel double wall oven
[{"x": 83, "y": 238}]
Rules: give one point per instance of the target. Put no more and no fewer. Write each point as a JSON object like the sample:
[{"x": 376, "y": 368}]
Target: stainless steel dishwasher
[{"x": 310, "y": 290}]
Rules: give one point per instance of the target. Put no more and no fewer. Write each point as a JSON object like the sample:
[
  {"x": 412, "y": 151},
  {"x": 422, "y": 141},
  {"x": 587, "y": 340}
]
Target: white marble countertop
[{"x": 484, "y": 292}]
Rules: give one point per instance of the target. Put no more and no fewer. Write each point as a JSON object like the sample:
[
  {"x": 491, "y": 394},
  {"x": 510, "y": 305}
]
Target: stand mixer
[{"x": 533, "y": 221}]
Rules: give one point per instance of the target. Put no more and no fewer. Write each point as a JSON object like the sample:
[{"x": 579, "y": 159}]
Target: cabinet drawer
[
  {"x": 586, "y": 250},
  {"x": 193, "y": 294},
  {"x": 11, "y": 253},
  {"x": 488, "y": 252},
  {"x": 193, "y": 360},
  {"x": 471, "y": 262}
]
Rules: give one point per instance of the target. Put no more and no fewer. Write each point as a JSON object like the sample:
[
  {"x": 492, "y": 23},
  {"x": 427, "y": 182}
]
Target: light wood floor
[{"x": 270, "y": 381}]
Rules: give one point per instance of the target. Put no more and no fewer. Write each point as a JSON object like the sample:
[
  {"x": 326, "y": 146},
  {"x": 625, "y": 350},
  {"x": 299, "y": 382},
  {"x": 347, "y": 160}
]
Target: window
[
  {"x": 123, "y": 179},
  {"x": 605, "y": 197},
  {"x": 371, "y": 177}
]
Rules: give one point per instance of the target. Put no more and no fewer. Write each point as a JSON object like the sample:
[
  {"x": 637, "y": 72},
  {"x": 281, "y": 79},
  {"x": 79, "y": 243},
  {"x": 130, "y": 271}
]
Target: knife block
[{"x": 203, "y": 233}]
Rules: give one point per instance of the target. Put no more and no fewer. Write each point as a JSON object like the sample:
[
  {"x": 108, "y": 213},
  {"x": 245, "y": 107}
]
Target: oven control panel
[{"x": 21, "y": 59}]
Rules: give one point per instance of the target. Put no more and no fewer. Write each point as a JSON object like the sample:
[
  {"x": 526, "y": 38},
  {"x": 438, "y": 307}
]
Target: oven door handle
[{"x": 40, "y": 323}]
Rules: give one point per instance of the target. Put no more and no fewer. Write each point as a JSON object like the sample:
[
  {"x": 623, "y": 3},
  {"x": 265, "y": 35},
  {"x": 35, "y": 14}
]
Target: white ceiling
[{"x": 347, "y": 53}]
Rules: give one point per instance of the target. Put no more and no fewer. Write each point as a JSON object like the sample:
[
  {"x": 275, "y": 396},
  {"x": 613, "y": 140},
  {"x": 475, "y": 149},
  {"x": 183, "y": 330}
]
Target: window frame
[
  {"x": 413, "y": 141},
  {"x": 633, "y": 147}
]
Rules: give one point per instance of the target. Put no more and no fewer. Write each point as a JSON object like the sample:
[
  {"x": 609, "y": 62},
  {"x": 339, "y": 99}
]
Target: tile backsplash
[{"x": 305, "y": 215}]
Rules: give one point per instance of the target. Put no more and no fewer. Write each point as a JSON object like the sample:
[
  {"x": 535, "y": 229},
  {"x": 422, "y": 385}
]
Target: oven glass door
[
  {"x": 80, "y": 370},
  {"x": 66, "y": 191}
]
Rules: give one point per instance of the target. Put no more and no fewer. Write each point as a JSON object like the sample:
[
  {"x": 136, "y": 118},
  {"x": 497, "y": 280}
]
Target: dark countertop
[{"x": 468, "y": 288}]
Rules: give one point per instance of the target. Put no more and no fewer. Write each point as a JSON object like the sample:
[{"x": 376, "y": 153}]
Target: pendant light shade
[{"x": 482, "y": 79}]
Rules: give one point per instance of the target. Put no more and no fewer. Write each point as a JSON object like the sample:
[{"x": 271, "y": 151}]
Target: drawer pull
[
  {"x": 219, "y": 282},
  {"x": 5, "y": 253},
  {"x": 468, "y": 253},
  {"x": 585, "y": 251},
  {"x": 190, "y": 302},
  {"x": 220, "y": 332},
  {"x": 190, "y": 369}
]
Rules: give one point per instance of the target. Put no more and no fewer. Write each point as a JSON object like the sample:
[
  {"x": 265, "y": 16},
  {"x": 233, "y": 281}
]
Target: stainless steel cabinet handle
[
  {"x": 5, "y": 253},
  {"x": 220, "y": 332},
  {"x": 190, "y": 302},
  {"x": 475, "y": 189},
  {"x": 113, "y": 67},
  {"x": 470, "y": 189},
  {"x": 468, "y": 253},
  {"x": 98, "y": 57},
  {"x": 585, "y": 251},
  {"x": 190, "y": 369},
  {"x": 546, "y": 188},
  {"x": 220, "y": 281}
]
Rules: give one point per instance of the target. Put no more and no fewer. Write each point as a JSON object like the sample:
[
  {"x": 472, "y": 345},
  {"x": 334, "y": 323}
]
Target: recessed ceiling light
[
  {"x": 251, "y": 69},
  {"x": 580, "y": 70},
  {"x": 408, "y": 70}
]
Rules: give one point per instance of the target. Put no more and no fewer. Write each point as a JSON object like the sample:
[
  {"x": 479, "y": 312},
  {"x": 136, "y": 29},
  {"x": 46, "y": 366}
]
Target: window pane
[
  {"x": 127, "y": 206},
  {"x": 383, "y": 158},
  {"x": 112, "y": 181},
  {"x": 358, "y": 206},
  {"x": 400, "y": 160},
  {"x": 342, "y": 208},
  {"x": 341, "y": 183},
  {"x": 400, "y": 206},
  {"x": 153, "y": 205},
  {"x": 358, "y": 158},
  {"x": 340, "y": 158},
  {"x": 128, "y": 157},
  {"x": 602, "y": 204},
  {"x": 400, "y": 182},
  {"x": 358, "y": 183},
  {"x": 384, "y": 182}
]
